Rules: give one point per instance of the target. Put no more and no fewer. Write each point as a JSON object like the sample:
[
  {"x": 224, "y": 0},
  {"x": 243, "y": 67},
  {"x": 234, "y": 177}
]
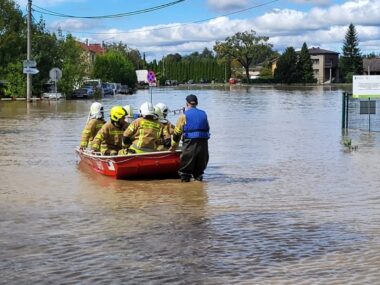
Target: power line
[
  {"x": 183, "y": 24},
  {"x": 120, "y": 15}
]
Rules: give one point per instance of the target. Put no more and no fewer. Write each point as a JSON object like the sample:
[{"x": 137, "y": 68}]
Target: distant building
[
  {"x": 325, "y": 65},
  {"x": 371, "y": 66},
  {"x": 91, "y": 51}
]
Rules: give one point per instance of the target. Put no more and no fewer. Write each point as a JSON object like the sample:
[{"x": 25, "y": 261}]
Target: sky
[{"x": 186, "y": 26}]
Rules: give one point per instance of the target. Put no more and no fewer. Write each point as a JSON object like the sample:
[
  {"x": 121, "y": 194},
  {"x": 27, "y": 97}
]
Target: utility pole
[{"x": 29, "y": 52}]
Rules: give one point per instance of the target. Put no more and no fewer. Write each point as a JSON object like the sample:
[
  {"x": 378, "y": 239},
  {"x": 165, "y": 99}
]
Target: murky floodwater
[{"x": 283, "y": 202}]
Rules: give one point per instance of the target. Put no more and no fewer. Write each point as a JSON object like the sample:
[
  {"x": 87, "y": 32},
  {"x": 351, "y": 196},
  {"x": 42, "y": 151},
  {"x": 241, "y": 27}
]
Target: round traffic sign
[{"x": 55, "y": 74}]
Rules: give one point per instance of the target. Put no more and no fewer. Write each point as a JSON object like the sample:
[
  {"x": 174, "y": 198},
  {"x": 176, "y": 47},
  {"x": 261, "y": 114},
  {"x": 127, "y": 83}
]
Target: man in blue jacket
[{"x": 195, "y": 131}]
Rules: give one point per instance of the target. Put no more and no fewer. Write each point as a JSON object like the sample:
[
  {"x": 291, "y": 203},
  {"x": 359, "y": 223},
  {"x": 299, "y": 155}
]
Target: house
[
  {"x": 325, "y": 65},
  {"x": 371, "y": 66},
  {"x": 91, "y": 51}
]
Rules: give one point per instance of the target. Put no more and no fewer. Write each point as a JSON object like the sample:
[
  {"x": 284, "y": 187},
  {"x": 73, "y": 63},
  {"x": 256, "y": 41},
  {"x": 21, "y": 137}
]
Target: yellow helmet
[{"x": 117, "y": 113}]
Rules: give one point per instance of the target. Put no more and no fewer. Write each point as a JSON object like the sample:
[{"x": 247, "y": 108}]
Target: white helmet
[
  {"x": 159, "y": 114},
  {"x": 146, "y": 109},
  {"x": 129, "y": 118},
  {"x": 164, "y": 109},
  {"x": 129, "y": 110},
  {"x": 96, "y": 111}
]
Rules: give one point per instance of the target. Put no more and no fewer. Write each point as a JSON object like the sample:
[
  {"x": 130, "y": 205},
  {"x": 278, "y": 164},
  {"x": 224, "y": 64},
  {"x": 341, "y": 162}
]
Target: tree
[
  {"x": 132, "y": 54},
  {"x": 16, "y": 83},
  {"x": 12, "y": 34},
  {"x": 286, "y": 71},
  {"x": 113, "y": 66},
  {"x": 351, "y": 61},
  {"x": 46, "y": 52},
  {"x": 246, "y": 48},
  {"x": 73, "y": 67},
  {"x": 305, "y": 66}
]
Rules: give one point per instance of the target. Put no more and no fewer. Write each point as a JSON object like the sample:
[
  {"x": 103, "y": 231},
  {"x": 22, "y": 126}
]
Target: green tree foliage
[
  {"x": 46, "y": 51},
  {"x": 132, "y": 54},
  {"x": 286, "y": 71},
  {"x": 16, "y": 82},
  {"x": 351, "y": 61},
  {"x": 73, "y": 67},
  {"x": 305, "y": 72},
  {"x": 12, "y": 34},
  {"x": 114, "y": 66},
  {"x": 199, "y": 67},
  {"x": 247, "y": 48}
]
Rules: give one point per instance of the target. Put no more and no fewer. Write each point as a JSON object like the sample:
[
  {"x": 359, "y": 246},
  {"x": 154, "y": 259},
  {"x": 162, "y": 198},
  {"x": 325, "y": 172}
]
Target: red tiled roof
[{"x": 95, "y": 48}]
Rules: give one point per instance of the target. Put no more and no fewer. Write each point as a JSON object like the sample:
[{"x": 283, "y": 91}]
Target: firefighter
[
  {"x": 194, "y": 129},
  {"x": 94, "y": 123},
  {"x": 109, "y": 138},
  {"x": 162, "y": 111},
  {"x": 144, "y": 133}
]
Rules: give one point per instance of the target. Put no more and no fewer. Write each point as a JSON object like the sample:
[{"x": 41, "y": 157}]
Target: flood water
[{"x": 283, "y": 201}]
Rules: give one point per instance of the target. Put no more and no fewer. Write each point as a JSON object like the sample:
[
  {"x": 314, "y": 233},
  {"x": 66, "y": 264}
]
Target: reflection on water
[{"x": 284, "y": 202}]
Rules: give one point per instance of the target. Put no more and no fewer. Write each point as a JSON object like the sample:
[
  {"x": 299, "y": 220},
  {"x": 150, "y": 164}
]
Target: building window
[
  {"x": 316, "y": 71},
  {"x": 315, "y": 61}
]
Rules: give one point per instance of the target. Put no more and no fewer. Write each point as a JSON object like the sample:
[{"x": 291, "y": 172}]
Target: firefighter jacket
[
  {"x": 90, "y": 130},
  {"x": 109, "y": 138},
  {"x": 167, "y": 131},
  {"x": 193, "y": 124},
  {"x": 143, "y": 135}
]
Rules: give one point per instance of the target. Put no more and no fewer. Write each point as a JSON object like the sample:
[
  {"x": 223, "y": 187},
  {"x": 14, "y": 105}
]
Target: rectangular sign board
[
  {"x": 30, "y": 70},
  {"x": 29, "y": 63},
  {"x": 366, "y": 86}
]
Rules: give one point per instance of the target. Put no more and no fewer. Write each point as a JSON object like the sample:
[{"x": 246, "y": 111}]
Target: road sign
[
  {"x": 30, "y": 70},
  {"x": 29, "y": 63},
  {"x": 366, "y": 86},
  {"x": 151, "y": 77},
  {"x": 55, "y": 74}
]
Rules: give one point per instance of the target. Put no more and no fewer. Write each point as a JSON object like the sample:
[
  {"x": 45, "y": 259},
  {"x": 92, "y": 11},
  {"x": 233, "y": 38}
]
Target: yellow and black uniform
[
  {"x": 90, "y": 130},
  {"x": 167, "y": 132},
  {"x": 109, "y": 138},
  {"x": 194, "y": 129},
  {"x": 142, "y": 135}
]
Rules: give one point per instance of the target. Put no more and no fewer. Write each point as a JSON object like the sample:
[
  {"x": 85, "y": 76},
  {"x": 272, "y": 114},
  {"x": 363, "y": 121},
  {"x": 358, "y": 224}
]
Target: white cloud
[
  {"x": 72, "y": 25},
  {"x": 312, "y": 2},
  {"x": 227, "y": 5},
  {"x": 323, "y": 27}
]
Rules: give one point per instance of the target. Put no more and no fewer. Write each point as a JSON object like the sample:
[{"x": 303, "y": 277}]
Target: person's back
[
  {"x": 109, "y": 138},
  {"x": 144, "y": 133},
  {"x": 194, "y": 129},
  {"x": 94, "y": 124}
]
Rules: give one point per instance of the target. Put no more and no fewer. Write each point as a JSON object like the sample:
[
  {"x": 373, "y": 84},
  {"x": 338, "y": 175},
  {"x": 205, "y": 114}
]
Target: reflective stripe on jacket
[
  {"x": 90, "y": 130},
  {"x": 109, "y": 137},
  {"x": 143, "y": 134}
]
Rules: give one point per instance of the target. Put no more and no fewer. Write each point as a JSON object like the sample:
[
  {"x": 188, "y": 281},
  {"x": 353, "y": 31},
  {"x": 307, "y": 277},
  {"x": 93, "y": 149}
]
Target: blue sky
[{"x": 192, "y": 25}]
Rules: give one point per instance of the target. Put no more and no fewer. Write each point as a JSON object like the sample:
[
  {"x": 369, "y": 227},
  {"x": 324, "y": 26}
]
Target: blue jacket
[{"x": 196, "y": 126}]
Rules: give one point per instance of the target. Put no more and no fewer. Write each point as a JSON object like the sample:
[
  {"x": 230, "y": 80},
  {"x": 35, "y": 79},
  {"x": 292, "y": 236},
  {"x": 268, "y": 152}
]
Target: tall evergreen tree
[
  {"x": 351, "y": 61},
  {"x": 286, "y": 71},
  {"x": 305, "y": 66}
]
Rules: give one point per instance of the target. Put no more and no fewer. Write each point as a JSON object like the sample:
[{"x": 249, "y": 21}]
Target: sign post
[
  {"x": 151, "y": 77},
  {"x": 55, "y": 75}
]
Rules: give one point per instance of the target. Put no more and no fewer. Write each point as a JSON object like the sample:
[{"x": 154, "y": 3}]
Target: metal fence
[{"x": 360, "y": 113}]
